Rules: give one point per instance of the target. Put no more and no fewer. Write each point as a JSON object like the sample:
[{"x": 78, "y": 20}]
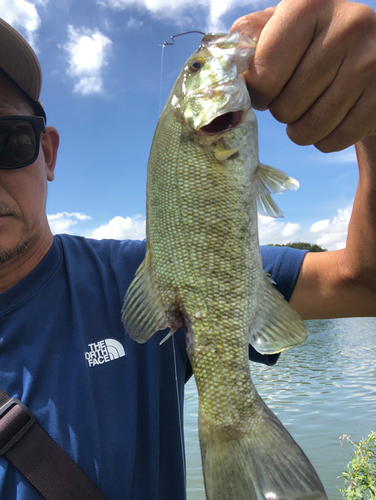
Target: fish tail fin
[
  {"x": 267, "y": 456},
  {"x": 226, "y": 469}
]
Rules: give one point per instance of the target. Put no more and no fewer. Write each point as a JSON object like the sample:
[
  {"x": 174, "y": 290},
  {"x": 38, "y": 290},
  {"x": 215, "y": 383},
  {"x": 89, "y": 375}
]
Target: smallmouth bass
[{"x": 203, "y": 271}]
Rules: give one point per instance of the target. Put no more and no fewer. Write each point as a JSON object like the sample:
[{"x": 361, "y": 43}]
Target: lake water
[{"x": 320, "y": 391}]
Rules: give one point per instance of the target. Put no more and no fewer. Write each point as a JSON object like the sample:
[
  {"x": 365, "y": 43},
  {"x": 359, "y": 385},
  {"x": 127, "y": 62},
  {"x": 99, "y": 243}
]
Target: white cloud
[
  {"x": 275, "y": 231},
  {"x": 346, "y": 156},
  {"x": 320, "y": 225},
  {"x": 329, "y": 234},
  {"x": 63, "y": 221},
  {"x": 332, "y": 234},
  {"x": 218, "y": 8},
  {"x": 89, "y": 85},
  {"x": 23, "y": 16},
  {"x": 133, "y": 24},
  {"x": 121, "y": 228},
  {"x": 87, "y": 54},
  {"x": 182, "y": 12}
]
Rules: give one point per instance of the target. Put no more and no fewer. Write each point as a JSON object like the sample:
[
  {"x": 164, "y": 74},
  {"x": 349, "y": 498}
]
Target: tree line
[{"x": 301, "y": 245}]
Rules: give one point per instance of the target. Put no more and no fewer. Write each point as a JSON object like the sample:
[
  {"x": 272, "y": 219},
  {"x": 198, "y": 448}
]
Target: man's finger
[
  {"x": 310, "y": 80},
  {"x": 252, "y": 24},
  {"x": 282, "y": 44},
  {"x": 358, "y": 123},
  {"x": 322, "y": 119},
  {"x": 342, "y": 56}
]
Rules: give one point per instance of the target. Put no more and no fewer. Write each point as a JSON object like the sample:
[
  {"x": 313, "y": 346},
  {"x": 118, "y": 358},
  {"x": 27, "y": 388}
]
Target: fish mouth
[{"x": 223, "y": 123}]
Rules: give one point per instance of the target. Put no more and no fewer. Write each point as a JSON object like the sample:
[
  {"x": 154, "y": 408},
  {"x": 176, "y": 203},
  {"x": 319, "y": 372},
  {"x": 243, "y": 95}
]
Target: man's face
[{"x": 23, "y": 191}]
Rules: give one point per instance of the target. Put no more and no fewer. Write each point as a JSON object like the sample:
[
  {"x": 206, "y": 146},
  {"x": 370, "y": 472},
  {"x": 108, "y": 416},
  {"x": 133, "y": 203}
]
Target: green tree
[{"x": 302, "y": 245}]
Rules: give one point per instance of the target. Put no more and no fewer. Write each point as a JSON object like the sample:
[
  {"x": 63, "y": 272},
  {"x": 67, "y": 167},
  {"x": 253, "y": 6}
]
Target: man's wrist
[{"x": 366, "y": 154}]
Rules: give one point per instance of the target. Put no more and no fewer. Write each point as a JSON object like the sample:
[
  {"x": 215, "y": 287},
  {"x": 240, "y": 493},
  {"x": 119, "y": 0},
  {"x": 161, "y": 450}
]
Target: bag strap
[{"x": 38, "y": 458}]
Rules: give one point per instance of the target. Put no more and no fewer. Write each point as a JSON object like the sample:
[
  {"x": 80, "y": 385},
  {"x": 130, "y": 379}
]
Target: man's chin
[{"x": 12, "y": 253}]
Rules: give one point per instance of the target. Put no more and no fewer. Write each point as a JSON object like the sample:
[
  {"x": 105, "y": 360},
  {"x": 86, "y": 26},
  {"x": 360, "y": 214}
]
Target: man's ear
[{"x": 50, "y": 143}]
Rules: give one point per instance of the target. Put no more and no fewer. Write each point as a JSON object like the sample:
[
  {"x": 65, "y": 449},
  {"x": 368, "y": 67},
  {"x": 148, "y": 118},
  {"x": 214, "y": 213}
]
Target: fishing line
[
  {"x": 160, "y": 89},
  {"x": 180, "y": 421},
  {"x": 180, "y": 34},
  {"x": 172, "y": 337},
  {"x": 163, "y": 46}
]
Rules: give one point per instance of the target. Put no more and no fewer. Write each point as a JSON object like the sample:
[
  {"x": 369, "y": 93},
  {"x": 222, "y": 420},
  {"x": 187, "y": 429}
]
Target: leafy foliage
[
  {"x": 360, "y": 476},
  {"x": 302, "y": 245}
]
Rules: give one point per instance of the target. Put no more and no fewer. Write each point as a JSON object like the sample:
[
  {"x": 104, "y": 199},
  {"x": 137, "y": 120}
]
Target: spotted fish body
[{"x": 203, "y": 271}]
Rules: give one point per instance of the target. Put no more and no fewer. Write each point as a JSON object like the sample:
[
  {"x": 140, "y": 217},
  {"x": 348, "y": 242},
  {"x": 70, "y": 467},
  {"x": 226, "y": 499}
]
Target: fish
[{"x": 202, "y": 271}]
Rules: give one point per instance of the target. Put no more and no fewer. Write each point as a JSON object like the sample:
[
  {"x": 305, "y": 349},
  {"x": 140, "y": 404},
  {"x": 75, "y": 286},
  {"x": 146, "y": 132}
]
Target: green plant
[{"x": 360, "y": 476}]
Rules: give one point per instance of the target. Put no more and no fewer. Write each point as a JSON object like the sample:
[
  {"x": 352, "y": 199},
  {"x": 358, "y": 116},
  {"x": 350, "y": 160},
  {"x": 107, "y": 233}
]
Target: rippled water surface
[{"x": 320, "y": 390}]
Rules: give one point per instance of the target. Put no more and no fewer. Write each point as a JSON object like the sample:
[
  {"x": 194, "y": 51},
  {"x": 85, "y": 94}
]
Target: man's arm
[
  {"x": 343, "y": 283},
  {"x": 315, "y": 69}
]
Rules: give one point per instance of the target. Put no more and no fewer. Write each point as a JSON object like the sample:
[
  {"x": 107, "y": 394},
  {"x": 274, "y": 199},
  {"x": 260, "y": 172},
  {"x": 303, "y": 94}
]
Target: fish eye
[{"x": 195, "y": 66}]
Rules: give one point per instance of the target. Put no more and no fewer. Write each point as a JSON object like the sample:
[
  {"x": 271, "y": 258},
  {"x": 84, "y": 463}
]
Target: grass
[{"x": 360, "y": 475}]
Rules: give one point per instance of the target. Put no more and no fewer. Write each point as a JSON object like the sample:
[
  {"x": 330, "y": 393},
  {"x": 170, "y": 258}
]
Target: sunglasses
[{"x": 19, "y": 140}]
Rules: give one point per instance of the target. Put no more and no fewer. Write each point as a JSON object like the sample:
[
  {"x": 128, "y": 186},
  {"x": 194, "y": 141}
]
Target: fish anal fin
[
  {"x": 143, "y": 313},
  {"x": 278, "y": 326}
]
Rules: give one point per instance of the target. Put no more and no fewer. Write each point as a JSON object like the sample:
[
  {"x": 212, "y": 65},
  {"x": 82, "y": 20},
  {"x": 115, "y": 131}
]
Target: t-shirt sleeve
[
  {"x": 125, "y": 257},
  {"x": 283, "y": 265}
]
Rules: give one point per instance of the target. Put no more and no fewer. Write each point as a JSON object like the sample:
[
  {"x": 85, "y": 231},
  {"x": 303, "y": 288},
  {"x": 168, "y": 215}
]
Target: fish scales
[
  {"x": 206, "y": 208},
  {"x": 203, "y": 271}
]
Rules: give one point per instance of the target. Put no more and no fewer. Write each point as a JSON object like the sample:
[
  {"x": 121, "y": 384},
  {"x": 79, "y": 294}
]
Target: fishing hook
[{"x": 179, "y": 34}]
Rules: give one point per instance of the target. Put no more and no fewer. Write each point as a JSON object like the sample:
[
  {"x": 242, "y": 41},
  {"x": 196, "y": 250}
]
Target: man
[{"x": 118, "y": 419}]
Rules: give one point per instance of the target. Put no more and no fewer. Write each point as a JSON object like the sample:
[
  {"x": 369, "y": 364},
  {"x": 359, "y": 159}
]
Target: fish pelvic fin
[
  {"x": 271, "y": 180},
  {"x": 277, "y": 326},
  {"x": 265, "y": 456},
  {"x": 143, "y": 313}
]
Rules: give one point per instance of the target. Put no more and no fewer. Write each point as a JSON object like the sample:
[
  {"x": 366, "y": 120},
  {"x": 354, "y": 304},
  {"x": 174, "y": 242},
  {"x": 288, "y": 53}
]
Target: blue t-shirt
[{"x": 110, "y": 403}]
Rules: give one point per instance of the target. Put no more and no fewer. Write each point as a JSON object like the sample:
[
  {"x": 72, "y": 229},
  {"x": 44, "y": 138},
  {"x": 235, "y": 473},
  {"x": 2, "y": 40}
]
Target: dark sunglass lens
[{"x": 17, "y": 142}]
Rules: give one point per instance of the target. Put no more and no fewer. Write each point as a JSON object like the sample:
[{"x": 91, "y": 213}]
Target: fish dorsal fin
[
  {"x": 278, "y": 326},
  {"x": 143, "y": 312},
  {"x": 271, "y": 180}
]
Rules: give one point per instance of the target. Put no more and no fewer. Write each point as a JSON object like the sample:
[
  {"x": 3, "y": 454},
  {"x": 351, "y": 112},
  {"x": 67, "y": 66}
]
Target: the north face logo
[{"x": 104, "y": 351}]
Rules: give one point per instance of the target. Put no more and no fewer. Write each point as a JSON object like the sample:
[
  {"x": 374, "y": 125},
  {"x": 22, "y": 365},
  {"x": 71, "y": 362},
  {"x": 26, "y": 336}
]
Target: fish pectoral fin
[
  {"x": 143, "y": 313},
  {"x": 278, "y": 326},
  {"x": 223, "y": 154},
  {"x": 271, "y": 180}
]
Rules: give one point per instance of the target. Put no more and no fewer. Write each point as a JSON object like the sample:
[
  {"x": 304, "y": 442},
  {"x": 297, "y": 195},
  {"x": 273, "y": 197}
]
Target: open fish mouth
[{"x": 222, "y": 123}]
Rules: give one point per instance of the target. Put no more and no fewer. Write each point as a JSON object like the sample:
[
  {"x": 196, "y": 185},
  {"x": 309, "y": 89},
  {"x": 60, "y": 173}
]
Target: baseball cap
[{"x": 20, "y": 63}]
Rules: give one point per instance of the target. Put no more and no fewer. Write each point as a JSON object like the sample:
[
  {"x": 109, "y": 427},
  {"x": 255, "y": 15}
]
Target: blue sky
[{"x": 101, "y": 64}]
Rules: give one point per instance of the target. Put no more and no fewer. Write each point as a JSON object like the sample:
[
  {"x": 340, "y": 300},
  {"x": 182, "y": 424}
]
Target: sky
[{"x": 103, "y": 88}]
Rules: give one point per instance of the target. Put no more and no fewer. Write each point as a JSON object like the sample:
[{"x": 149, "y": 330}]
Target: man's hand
[{"x": 315, "y": 69}]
